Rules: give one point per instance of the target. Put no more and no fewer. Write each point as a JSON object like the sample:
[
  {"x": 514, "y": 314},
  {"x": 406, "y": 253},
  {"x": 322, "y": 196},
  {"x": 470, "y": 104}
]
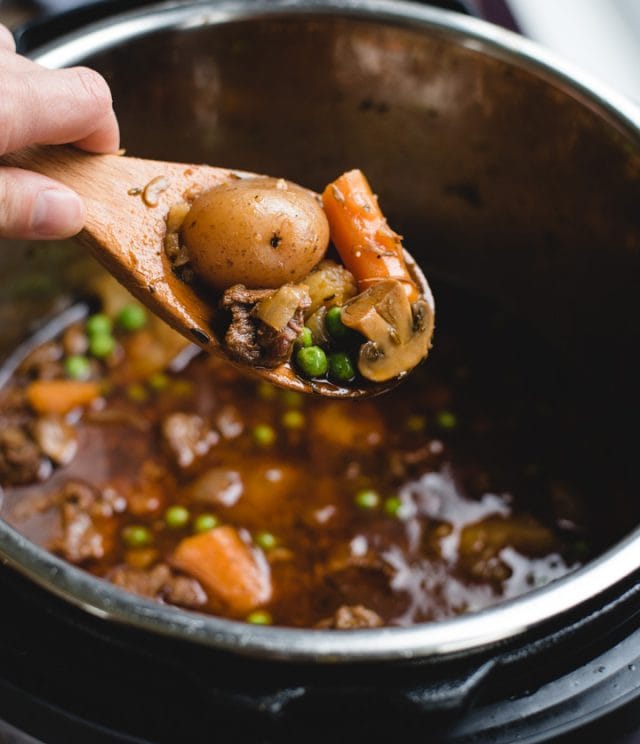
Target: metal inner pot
[{"x": 508, "y": 175}]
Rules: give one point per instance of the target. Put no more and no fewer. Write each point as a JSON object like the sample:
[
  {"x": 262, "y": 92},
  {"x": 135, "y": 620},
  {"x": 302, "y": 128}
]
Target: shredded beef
[
  {"x": 45, "y": 362},
  {"x": 352, "y": 617},
  {"x": 240, "y": 339},
  {"x": 80, "y": 539},
  {"x": 188, "y": 437},
  {"x": 250, "y": 340},
  {"x": 20, "y": 457},
  {"x": 80, "y": 506},
  {"x": 276, "y": 345},
  {"x": 160, "y": 582},
  {"x": 75, "y": 340},
  {"x": 56, "y": 439},
  {"x": 239, "y": 294}
]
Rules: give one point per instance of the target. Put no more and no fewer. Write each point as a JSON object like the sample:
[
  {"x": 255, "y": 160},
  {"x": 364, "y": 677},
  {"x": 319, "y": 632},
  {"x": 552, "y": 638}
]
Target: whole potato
[{"x": 261, "y": 232}]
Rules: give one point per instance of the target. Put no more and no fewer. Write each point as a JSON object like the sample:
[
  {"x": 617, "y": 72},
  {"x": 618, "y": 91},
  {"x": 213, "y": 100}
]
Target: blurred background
[{"x": 602, "y": 36}]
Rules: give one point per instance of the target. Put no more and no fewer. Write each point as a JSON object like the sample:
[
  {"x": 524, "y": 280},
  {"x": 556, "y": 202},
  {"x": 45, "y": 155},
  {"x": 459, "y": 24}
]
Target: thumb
[{"x": 35, "y": 207}]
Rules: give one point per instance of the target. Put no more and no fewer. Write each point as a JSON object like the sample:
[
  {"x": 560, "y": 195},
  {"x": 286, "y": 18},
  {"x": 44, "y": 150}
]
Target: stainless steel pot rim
[{"x": 467, "y": 632}]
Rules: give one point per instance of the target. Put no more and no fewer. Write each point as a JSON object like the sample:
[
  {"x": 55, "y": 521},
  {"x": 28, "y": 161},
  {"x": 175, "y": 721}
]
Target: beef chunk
[
  {"x": 352, "y": 617},
  {"x": 240, "y": 339},
  {"x": 75, "y": 340},
  {"x": 276, "y": 345},
  {"x": 80, "y": 539},
  {"x": 56, "y": 439},
  {"x": 81, "y": 506},
  {"x": 240, "y": 295},
  {"x": 188, "y": 437},
  {"x": 44, "y": 362},
  {"x": 252, "y": 340},
  {"x": 20, "y": 458},
  {"x": 160, "y": 582}
]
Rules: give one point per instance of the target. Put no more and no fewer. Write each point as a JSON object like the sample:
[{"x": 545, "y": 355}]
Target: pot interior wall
[{"x": 502, "y": 181}]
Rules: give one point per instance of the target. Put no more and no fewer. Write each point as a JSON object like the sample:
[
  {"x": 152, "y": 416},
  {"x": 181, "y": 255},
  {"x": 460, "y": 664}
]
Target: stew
[
  {"x": 173, "y": 476},
  {"x": 260, "y": 246}
]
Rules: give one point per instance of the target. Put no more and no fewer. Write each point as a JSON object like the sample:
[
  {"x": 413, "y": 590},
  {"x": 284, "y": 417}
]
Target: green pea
[
  {"x": 267, "y": 391},
  {"x": 266, "y": 540},
  {"x": 305, "y": 338},
  {"x": 158, "y": 381},
  {"x": 77, "y": 367},
  {"x": 416, "y": 423},
  {"x": 341, "y": 367},
  {"x": 336, "y": 328},
  {"x": 99, "y": 325},
  {"x": 260, "y": 617},
  {"x": 312, "y": 361},
  {"x": 367, "y": 498},
  {"x": 137, "y": 393},
  {"x": 176, "y": 517},
  {"x": 293, "y": 419},
  {"x": 132, "y": 318},
  {"x": 137, "y": 536},
  {"x": 106, "y": 388},
  {"x": 291, "y": 399},
  {"x": 205, "y": 522},
  {"x": 263, "y": 435},
  {"x": 446, "y": 420},
  {"x": 392, "y": 506},
  {"x": 181, "y": 388},
  {"x": 581, "y": 549},
  {"x": 101, "y": 345}
]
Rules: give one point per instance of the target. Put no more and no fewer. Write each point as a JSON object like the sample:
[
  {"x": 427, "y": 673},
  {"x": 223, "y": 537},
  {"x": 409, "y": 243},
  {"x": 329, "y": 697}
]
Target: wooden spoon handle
[
  {"x": 71, "y": 167},
  {"x": 127, "y": 201}
]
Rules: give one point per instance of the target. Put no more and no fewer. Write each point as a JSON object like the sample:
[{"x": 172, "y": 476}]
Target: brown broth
[{"x": 474, "y": 505}]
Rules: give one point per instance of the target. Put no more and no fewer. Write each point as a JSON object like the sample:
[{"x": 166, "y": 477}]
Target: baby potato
[{"x": 260, "y": 232}]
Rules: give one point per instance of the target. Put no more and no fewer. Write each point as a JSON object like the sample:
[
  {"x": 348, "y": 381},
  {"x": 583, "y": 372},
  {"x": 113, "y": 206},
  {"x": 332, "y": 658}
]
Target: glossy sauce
[{"x": 467, "y": 500}]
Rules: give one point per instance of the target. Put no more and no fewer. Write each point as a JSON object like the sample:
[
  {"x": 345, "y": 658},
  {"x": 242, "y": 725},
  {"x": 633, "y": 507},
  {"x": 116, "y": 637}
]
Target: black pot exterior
[{"x": 69, "y": 677}]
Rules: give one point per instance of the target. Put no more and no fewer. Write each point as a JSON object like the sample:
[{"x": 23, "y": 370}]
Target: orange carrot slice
[
  {"x": 368, "y": 247},
  {"x": 61, "y": 396},
  {"x": 227, "y": 567}
]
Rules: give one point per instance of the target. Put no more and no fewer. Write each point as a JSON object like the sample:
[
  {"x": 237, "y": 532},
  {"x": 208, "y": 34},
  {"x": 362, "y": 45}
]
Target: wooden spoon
[{"x": 127, "y": 201}]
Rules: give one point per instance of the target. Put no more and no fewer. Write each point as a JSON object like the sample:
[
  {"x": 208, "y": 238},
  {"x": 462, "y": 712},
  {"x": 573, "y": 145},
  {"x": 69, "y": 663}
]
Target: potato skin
[{"x": 260, "y": 232}]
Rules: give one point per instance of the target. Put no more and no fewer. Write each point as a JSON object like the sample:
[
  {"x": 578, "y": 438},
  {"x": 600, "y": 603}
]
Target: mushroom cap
[{"x": 399, "y": 333}]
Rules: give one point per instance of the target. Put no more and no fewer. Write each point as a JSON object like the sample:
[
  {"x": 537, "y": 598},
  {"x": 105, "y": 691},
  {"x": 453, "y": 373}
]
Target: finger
[
  {"x": 6, "y": 39},
  {"x": 54, "y": 107},
  {"x": 106, "y": 137},
  {"x": 35, "y": 207}
]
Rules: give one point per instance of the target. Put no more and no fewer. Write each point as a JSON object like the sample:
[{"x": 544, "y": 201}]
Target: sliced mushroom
[
  {"x": 316, "y": 324},
  {"x": 399, "y": 333}
]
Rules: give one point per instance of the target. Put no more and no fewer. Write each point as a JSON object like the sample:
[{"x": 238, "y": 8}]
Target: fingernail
[{"x": 57, "y": 213}]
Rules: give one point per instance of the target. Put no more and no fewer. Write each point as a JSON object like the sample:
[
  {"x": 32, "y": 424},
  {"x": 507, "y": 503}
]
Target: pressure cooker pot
[{"x": 515, "y": 183}]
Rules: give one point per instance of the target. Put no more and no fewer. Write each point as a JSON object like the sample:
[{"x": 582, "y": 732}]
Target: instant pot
[{"x": 512, "y": 177}]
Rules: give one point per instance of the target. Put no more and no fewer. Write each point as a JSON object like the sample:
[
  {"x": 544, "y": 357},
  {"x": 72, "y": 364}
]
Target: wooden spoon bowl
[{"x": 127, "y": 202}]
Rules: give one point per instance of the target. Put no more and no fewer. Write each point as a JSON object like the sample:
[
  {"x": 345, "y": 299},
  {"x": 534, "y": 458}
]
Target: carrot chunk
[
  {"x": 61, "y": 396},
  {"x": 368, "y": 247},
  {"x": 227, "y": 567}
]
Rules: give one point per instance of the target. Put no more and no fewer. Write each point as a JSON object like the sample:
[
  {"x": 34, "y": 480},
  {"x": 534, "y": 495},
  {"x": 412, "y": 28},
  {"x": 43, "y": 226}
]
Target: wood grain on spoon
[{"x": 127, "y": 201}]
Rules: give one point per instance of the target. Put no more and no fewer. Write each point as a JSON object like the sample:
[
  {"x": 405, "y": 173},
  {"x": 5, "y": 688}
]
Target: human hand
[{"x": 47, "y": 107}]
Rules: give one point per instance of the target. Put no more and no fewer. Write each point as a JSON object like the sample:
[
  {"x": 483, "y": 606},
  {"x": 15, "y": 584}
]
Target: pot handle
[
  {"x": 400, "y": 693},
  {"x": 43, "y": 30}
]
